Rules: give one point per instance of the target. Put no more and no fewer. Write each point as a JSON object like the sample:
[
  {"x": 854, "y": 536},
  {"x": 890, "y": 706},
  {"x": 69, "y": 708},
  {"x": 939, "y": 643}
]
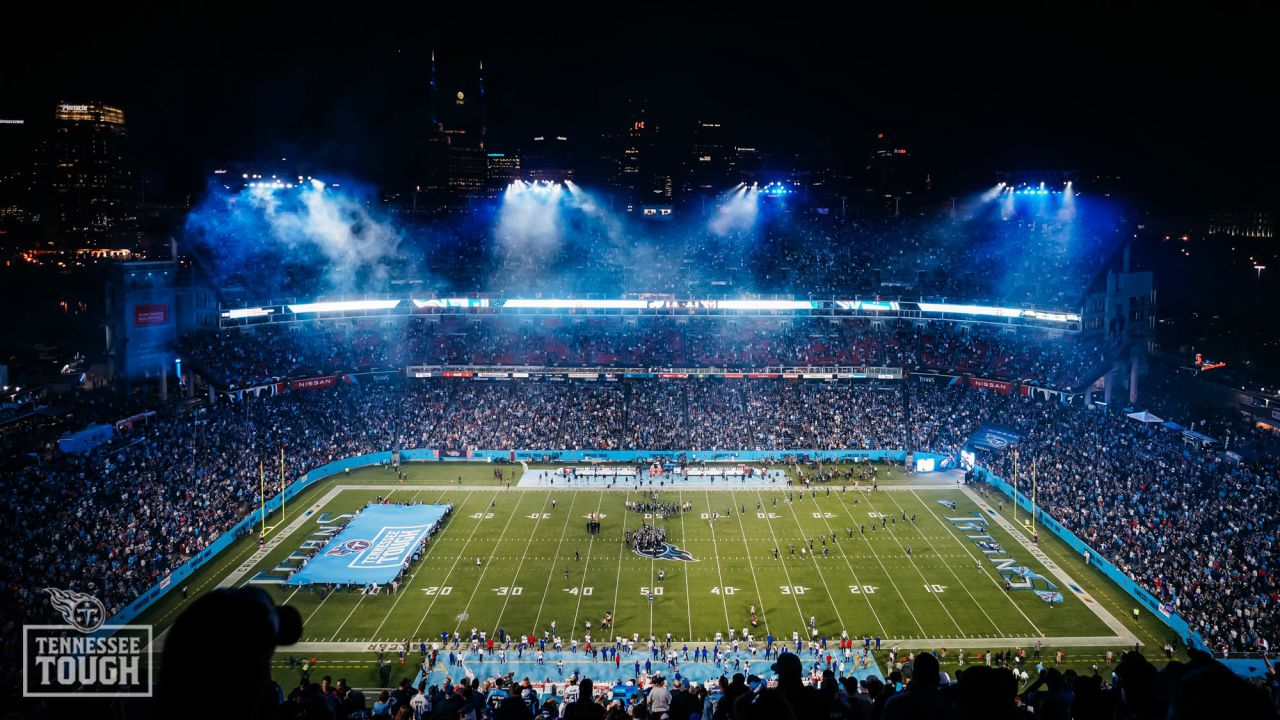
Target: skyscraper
[
  {"x": 640, "y": 173},
  {"x": 456, "y": 163},
  {"x": 502, "y": 169},
  {"x": 549, "y": 156},
  {"x": 709, "y": 163},
  {"x": 88, "y": 173},
  {"x": 17, "y": 175},
  {"x": 890, "y": 176}
]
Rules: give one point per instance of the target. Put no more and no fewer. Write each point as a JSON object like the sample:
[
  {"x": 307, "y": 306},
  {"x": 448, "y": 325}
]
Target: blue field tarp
[{"x": 373, "y": 547}]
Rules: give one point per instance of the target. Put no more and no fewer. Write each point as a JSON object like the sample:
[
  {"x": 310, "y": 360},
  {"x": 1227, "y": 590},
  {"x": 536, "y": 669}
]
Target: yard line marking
[
  {"x": 452, "y": 567},
  {"x": 688, "y": 593},
  {"x": 552, "y": 566},
  {"x": 618, "y": 575},
  {"x": 1058, "y": 571},
  {"x": 880, "y": 561},
  {"x": 484, "y": 569},
  {"x": 325, "y": 599},
  {"x": 420, "y": 565},
  {"x": 764, "y": 615},
  {"x": 856, "y": 581},
  {"x": 591, "y": 541},
  {"x": 716, "y": 551},
  {"x": 912, "y": 562},
  {"x": 782, "y": 560},
  {"x": 523, "y": 558},
  {"x": 986, "y": 572},
  {"x": 813, "y": 558}
]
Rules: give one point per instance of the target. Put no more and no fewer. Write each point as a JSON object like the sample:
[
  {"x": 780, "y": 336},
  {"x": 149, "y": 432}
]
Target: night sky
[{"x": 1180, "y": 108}]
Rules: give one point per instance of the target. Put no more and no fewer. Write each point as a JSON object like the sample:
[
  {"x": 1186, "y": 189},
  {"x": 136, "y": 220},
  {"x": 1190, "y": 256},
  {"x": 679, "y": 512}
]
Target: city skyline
[{"x": 350, "y": 99}]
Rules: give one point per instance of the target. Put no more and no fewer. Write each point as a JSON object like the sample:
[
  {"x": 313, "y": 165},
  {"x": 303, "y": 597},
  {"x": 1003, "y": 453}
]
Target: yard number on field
[
  {"x": 726, "y": 590},
  {"x": 437, "y": 590},
  {"x": 505, "y": 590},
  {"x": 792, "y": 589}
]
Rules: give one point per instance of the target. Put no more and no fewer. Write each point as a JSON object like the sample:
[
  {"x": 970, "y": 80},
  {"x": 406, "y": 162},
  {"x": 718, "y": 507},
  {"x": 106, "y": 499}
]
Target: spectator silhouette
[
  {"x": 236, "y": 631},
  {"x": 923, "y": 698},
  {"x": 585, "y": 707},
  {"x": 802, "y": 698}
]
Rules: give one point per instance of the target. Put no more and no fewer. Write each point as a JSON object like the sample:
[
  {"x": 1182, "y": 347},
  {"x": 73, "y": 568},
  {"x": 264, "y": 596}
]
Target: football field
[{"x": 538, "y": 566}]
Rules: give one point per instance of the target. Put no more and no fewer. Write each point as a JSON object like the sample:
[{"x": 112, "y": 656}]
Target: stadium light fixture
[{"x": 343, "y": 306}]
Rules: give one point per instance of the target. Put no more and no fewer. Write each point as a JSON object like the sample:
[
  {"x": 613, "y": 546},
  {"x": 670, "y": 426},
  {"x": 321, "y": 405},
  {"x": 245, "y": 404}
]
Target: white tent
[{"x": 1145, "y": 417}]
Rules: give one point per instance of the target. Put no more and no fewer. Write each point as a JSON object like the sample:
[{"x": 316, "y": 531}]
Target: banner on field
[{"x": 374, "y": 547}]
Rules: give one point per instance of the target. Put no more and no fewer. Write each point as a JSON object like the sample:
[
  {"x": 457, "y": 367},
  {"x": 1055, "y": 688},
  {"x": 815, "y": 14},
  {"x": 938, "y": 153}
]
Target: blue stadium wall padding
[
  {"x": 184, "y": 571},
  {"x": 1173, "y": 620}
]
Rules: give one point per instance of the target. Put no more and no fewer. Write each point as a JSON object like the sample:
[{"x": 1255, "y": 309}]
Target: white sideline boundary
[
  {"x": 1123, "y": 637},
  {"x": 1122, "y": 633}
]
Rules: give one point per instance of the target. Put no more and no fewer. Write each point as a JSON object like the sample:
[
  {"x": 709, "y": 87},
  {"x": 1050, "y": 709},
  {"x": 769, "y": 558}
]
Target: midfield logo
[
  {"x": 668, "y": 552},
  {"x": 85, "y": 657}
]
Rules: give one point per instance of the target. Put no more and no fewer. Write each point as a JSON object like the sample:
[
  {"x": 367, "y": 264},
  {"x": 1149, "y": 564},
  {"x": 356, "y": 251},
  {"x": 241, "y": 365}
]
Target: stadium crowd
[
  {"x": 922, "y": 688},
  {"x": 256, "y": 356},
  {"x": 917, "y": 685},
  {"x": 1194, "y": 527}
]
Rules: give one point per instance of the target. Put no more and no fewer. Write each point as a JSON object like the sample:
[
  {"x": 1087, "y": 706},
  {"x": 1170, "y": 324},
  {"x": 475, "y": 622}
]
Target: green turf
[
  {"x": 521, "y": 584},
  {"x": 526, "y": 546}
]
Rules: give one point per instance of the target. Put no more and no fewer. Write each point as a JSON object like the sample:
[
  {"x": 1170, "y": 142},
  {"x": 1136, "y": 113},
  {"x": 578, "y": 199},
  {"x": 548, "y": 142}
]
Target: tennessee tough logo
[
  {"x": 350, "y": 547},
  {"x": 667, "y": 552}
]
